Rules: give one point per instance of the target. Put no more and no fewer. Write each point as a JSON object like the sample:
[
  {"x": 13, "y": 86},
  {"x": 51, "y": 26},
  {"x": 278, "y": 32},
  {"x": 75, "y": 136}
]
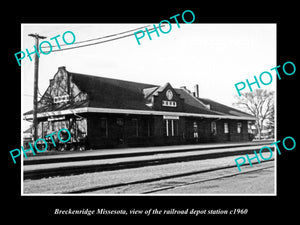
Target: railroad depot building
[{"x": 115, "y": 113}]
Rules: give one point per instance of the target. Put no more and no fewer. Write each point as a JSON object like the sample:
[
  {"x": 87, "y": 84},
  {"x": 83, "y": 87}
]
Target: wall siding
[{"x": 119, "y": 136}]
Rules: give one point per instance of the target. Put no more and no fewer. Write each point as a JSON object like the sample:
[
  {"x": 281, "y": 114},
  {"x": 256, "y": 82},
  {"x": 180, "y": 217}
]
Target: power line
[
  {"x": 92, "y": 43},
  {"x": 111, "y": 35},
  {"x": 100, "y": 42}
]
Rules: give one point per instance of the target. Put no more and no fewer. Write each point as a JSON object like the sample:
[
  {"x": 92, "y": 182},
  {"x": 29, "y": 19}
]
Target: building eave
[{"x": 132, "y": 111}]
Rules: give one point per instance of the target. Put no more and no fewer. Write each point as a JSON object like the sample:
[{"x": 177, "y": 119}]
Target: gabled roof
[
  {"x": 148, "y": 92},
  {"x": 224, "y": 109},
  {"x": 160, "y": 89},
  {"x": 114, "y": 95},
  {"x": 111, "y": 93},
  {"x": 193, "y": 104}
]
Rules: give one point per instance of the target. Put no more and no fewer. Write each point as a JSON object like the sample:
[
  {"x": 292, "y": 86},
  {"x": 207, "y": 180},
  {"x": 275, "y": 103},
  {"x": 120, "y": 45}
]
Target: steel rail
[
  {"x": 205, "y": 180},
  {"x": 97, "y": 188},
  {"x": 73, "y": 170}
]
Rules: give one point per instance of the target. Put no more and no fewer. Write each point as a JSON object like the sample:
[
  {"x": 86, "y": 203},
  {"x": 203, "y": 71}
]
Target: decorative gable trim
[{"x": 61, "y": 89}]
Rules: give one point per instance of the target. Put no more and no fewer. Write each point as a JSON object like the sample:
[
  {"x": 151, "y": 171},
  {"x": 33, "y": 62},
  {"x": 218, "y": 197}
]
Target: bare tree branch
[{"x": 259, "y": 103}]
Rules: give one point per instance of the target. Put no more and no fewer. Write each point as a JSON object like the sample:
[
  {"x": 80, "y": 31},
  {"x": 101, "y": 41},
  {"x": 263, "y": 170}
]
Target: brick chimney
[{"x": 196, "y": 90}]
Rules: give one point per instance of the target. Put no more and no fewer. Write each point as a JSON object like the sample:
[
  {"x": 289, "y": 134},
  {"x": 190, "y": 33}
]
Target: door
[
  {"x": 195, "y": 132},
  {"x": 120, "y": 132},
  {"x": 227, "y": 132}
]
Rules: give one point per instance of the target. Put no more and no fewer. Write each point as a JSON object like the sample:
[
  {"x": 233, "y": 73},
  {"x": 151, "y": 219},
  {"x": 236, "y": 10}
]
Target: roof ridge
[
  {"x": 229, "y": 107},
  {"x": 203, "y": 106},
  {"x": 108, "y": 78},
  {"x": 195, "y": 98}
]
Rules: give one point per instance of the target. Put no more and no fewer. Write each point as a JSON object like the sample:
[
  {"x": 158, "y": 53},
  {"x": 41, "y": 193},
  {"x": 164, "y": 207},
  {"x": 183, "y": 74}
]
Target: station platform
[
  {"x": 105, "y": 160},
  {"x": 56, "y": 156}
]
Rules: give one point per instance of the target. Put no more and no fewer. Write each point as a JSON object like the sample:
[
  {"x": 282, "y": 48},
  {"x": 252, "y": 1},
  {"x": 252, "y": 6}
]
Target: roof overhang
[{"x": 136, "y": 112}]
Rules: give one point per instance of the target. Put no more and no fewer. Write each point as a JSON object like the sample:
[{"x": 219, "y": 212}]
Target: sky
[{"x": 214, "y": 56}]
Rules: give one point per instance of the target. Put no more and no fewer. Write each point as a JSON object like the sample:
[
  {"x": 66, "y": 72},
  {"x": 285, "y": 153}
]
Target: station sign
[
  {"x": 167, "y": 117},
  {"x": 56, "y": 118}
]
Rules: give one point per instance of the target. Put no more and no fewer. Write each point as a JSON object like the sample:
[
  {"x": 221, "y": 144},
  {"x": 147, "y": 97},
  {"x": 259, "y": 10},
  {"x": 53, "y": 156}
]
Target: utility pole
[{"x": 35, "y": 84}]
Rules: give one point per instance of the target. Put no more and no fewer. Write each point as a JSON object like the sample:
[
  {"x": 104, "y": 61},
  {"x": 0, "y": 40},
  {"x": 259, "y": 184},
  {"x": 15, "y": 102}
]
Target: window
[
  {"x": 103, "y": 127},
  {"x": 59, "y": 99},
  {"x": 135, "y": 126},
  {"x": 149, "y": 128},
  {"x": 239, "y": 128},
  {"x": 226, "y": 129},
  {"x": 166, "y": 128},
  {"x": 120, "y": 122},
  {"x": 213, "y": 128},
  {"x": 169, "y": 103},
  {"x": 175, "y": 127},
  {"x": 171, "y": 128},
  {"x": 250, "y": 127}
]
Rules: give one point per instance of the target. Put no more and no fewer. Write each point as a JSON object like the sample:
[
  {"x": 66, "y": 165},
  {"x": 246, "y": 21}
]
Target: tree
[
  {"x": 271, "y": 121},
  {"x": 259, "y": 103}
]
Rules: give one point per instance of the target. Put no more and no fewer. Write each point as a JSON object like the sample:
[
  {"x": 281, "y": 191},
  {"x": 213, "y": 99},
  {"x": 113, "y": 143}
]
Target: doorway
[{"x": 120, "y": 142}]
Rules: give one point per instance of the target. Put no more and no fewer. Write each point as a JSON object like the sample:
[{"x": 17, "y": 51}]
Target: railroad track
[
  {"x": 180, "y": 175},
  {"x": 65, "y": 157},
  {"x": 86, "y": 166},
  {"x": 205, "y": 180}
]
